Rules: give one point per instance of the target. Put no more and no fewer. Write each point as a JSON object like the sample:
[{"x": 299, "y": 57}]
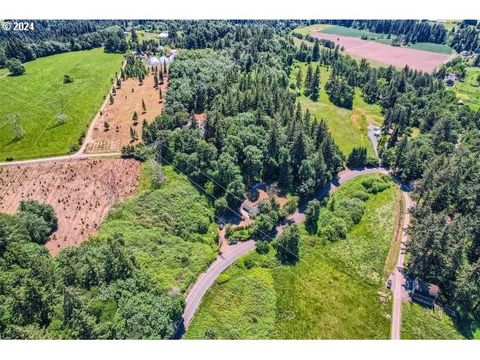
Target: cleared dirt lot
[
  {"x": 81, "y": 192},
  {"x": 119, "y": 115},
  {"x": 387, "y": 54}
]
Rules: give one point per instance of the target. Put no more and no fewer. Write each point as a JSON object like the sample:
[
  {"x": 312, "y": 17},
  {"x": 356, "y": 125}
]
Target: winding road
[{"x": 232, "y": 253}]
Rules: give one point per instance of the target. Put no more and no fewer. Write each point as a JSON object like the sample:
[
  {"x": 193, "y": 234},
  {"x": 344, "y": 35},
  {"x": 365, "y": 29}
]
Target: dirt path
[
  {"x": 398, "y": 279},
  {"x": 232, "y": 253}
]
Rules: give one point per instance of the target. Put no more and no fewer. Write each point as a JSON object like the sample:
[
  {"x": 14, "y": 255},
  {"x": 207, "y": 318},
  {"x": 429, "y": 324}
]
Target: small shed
[{"x": 424, "y": 292}]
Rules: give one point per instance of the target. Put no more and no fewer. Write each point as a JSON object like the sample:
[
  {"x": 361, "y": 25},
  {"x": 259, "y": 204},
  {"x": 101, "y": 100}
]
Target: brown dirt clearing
[
  {"x": 81, "y": 192},
  {"x": 119, "y": 115}
]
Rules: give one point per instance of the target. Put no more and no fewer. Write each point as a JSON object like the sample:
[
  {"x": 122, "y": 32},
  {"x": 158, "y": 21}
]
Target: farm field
[
  {"x": 127, "y": 100},
  {"x": 469, "y": 89},
  {"x": 169, "y": 228},
  {"x": 81, "y": 192},
  {"x": 348, "y": 127},
  {"x": 397, "y": 56},
  {"x": 351, "y": 271},
  {"x": 38, "y": 96},
  {"x": 382, "y": 38}
]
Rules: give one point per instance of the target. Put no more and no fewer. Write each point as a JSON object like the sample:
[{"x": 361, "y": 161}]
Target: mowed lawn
[
  {"x": 331, "y": 293},
  {"x": 40, "y": 94},
  {"x": 348, "y": 127}
]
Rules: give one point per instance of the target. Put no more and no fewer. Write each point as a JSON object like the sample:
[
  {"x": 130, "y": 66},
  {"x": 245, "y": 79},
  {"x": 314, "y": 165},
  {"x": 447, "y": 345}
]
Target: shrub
[
  {"x": 67, "y": 79},
  {"x": 291, "y": 205},
  {"x": 15, "y": 67},
  {"x": 248, "y": 263},
  {"x": 223, "y": 278},
  {"x": 354, "y": 208},
  {"x": 263, "y": 247},
  {"x": 374, "y": 186}
]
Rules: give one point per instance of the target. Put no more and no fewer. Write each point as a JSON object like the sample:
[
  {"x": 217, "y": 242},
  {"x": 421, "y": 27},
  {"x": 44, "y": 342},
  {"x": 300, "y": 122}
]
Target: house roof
[{"x": 423, "y": 288}]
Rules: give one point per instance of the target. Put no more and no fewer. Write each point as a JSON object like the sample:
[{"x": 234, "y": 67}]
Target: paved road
[
  {"x": 206, "y": 279},
  {"x": 398, "y": 278},
  {"x": 373, "y": 139},
  {"x": 232, "y": 253}
]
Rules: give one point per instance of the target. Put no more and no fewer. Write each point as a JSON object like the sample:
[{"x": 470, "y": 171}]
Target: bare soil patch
[
  {"x": 127, "y": 100},
  {"x": 81, "y": 192},
  {"x": 397, "y": 56}
]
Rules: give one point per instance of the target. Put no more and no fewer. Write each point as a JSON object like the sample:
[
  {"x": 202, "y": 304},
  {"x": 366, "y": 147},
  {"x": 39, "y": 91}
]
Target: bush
[
  {"x": 67, "y": 79},
  {"x": 291, "y": 205},
  {"x": 263, "y": 247},
  {"x": 335, "y": 231},
  {"x": 374, "y": 186},
  {"x": 362, "y": 195},
  {"x": 15, "y": 67},
  {"x": 223, "y": 278},
  {"x": 354, "y": 208},
  {"x": 248, "y": 263}
]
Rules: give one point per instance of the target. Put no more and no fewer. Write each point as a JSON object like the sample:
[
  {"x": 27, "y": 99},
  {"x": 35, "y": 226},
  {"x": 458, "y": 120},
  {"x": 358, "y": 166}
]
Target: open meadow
[
  {"x": 335, "y": 291},
  {"x": 348, "y": 127},
  {"x": 34, "y": 102},
  {"x": 468, "y": 90}
]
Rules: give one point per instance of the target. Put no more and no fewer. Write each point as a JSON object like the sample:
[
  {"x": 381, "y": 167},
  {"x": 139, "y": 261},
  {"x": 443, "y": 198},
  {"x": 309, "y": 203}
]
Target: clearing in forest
[
  {"x": 347, "y": 127},
  {"x": 119, "y": 115},
  {"x": 42, "y": 116},
  {"x": 81, "y": 192},
  {"x": 393, "y": 55}
]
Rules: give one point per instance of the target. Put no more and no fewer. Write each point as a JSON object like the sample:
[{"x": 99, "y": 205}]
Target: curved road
[{"x": 232, "y": 253}]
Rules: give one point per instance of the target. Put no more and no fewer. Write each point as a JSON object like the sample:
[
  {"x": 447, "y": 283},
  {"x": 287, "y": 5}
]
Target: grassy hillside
[
  {"x": 170, "y": 230},
  {"x": 469, "y": 89},
  {"x": 348, "y": 127},
  {"x": 426, "y": 324},
  {"x": 40, "y": 94},
  {"x": 330, "y": 293}
]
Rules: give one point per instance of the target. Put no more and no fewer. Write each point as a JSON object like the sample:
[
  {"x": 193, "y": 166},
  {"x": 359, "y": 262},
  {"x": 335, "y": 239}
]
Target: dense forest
[{"x": 73, "y": 295}]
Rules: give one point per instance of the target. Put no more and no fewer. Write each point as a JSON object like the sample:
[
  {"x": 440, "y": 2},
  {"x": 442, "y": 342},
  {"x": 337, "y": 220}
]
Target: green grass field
[
  {"x": 331, "y": 293},
  {"x": 419, "y": 323},
  {"x": 170, "y": 230},
  {"x": 469, "y": 89},
  {"x": 40, "y": 94},
  {"x": 436, "y": 48},
  {"x": 348, "y": 127}
]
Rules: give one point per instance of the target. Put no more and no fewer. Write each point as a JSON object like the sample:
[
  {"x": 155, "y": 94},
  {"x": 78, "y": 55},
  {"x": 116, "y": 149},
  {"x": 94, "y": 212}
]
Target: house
[
  {"x": 450, "y": 79},
  {"x": 424, "y": 292},
  {"x": 250, "y": 209},
  {"x": 163, "y": 35}
]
